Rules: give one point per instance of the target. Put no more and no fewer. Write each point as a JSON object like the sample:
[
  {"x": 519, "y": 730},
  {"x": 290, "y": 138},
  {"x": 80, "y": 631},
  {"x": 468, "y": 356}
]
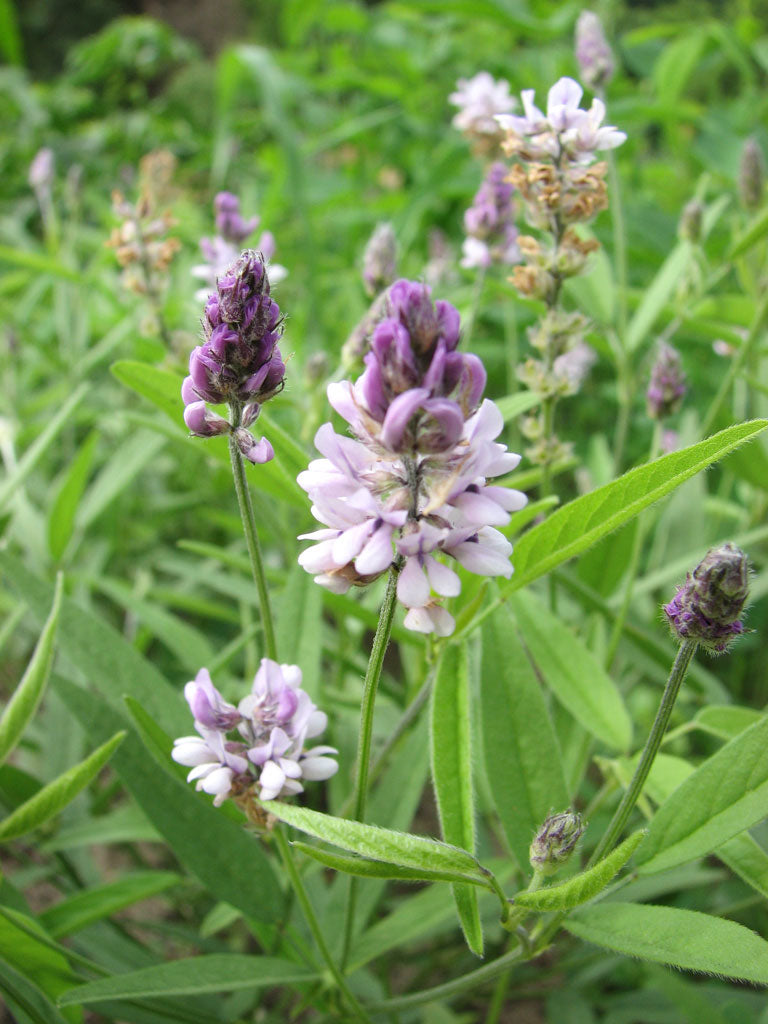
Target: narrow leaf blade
[
  {"x": 681, "y": 938},
  {"x": 57, "y": 794},
  {"x": 26, "y": 697},
  {"x": 576, "y": 526},
  {"x": 363, "y": 868}
]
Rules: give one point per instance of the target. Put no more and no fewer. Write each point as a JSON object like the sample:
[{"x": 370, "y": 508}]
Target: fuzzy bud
[
  {"x": 380, "y": 260},
  {"x": 708, "y": 605},
  {"x": 593, "y": 53},
  {"x": 689, "y": 227},
  {"x": 555, "y": 841},
  {"x": 666, "y": 388},
  {"x": 751, "y": 174}
]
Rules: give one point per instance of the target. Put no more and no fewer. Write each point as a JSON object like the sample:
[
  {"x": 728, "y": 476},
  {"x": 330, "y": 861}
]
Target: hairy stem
[{"x": 252, "y": 540}]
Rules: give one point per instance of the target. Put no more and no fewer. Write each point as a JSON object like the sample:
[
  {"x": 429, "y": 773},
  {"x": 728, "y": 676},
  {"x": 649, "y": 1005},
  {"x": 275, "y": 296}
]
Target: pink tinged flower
[
  {"x": 202, "y": 422},
  {"x": 214, "y": 766},
  {"x": 257, "y": 452},
  {"x": 486, "y": 553},
  {"x": 208, "y": 707},
  {"x": 431, "y": 619}
]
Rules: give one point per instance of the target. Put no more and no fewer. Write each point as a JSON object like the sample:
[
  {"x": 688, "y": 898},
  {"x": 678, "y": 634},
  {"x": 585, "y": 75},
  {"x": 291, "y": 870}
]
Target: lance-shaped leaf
[
  {"x": 573, "y": 673},
  {"x": 83, "y": 908},
  {"x": 218, "y": 972},
  {"x": 27, "y": 696},
  {"x": 57, "y": 794},
  {"x": 520, "y": 749},
  {"x": 377, "y": 843},
  {"x": 582, "y": 887},
  {"x": 746, "y": 858},
  {"x": 658, "y": 293},
  {"x": 681, "y": 938},
  {"x": 61, "y": 518},
  {"x": 726, "y": 795},
  {"x": 364, "y": 868},
  {"x": 579, "y": 524},
  {"x": 451, "y": 749}
]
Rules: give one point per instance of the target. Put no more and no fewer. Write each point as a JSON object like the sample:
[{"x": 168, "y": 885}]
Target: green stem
[
  {"x": 737, "y": 363},
  {"x": 651, "y": 749},
  {"x": 370, "y": 686},
  {"x": 634, "y": 562},
  {"x": 252, "y": 540},
  {"x": 314, "y": 925},
  {"x": 449, "y": 989},
  {"x": 469, "y": 322}
]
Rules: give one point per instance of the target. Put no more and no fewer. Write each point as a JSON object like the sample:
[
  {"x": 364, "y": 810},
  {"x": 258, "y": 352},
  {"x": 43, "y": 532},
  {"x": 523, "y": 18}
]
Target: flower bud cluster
[
  {"x": 257, "y": 748},
  {"x": 239, "y": 362},
  {"x": 708, "y": 605},
  {"x": 479, "y": 100},
  {"x": 232, "y": 230},
  {"x": 555, "y": 841},
  {"x": 593, "y": 53},
  {"x": 141, "y": 244},
  {"x": 666, "y": 388},
  {"x": 411, "y": 483},
  {"x": 752, "y": 175},
  {"x": 490, "y": 222}
]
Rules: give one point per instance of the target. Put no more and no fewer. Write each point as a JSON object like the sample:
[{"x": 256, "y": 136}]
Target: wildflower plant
[{"x": 414, "y": 716}]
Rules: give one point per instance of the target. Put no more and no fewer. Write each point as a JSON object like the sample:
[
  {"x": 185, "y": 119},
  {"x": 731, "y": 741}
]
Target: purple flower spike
[
  {"x": 708, "y": 605},
  {"x": 490, "y": 223},
  {"x": 239, "y": 361},
  {"x": 413, "y": 483},
  {"x": 593, "y": 53}
]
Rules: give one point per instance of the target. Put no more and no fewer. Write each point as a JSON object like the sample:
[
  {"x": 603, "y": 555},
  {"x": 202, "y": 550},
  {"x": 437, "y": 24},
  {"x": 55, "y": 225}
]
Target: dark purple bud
[
  {"x": 250, "y": 414},
  {"x": 555, "y": 841},
  {"x": 398, "y": 417},
  {"x": 708, "y": 605},
  {"x": 472, "y": 382},
  {"x": 229, "y": 222}
]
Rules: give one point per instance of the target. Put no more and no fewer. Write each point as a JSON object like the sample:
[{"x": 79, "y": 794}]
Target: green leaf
[
  {"x": 104, "y": 657},
  {"x": 25, "y": 947},
  {"x": 83, "y": 908},
  {"x": 751, "y": 235},
  {"x": 574, "y": 674},
  {"x": 156, "y": 740},
  {"x": 748, "y": 860},
  {"x": 161, "y": 387},
  {"x": 512, "y": 406},
  {"x": 726, "y": 795},
  {"x": 137, "y": 451},
  {"x": 26, "y": 1001},
  {"x": 61, "y": 519},
  {"x": 658, "y": 293},
  {"x": 11, "y": 44},
  {"x": 681, "y": 938},
  {"x": 522, "y": 757},
  {"x": 126, "y": 824},
  {"x": 185, "y": 818},
  {"x": 584, "y": 886},
  {"x": 26, "y": 698},
  {"x": 40, "y": 445},
  {"x": 579, "y": 524},
  {"x": 218, "y": 972},
  {"x": 726, "y": 720},
  {"x": 57, "y": 794},
  {"x": 377, "y": 843},
  {"x": 451, "y": 752},
  {"x": 363, "y": 868},
  {"x": 299, "y": 626}
]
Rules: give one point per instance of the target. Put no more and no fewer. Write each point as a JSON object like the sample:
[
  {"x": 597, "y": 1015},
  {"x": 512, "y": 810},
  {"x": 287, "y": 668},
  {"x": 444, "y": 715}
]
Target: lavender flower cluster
[
  {"x": 258, "y": 745},
  {"x": 239, "y": 362},
  {"x": 232, "y": 231},
  {"x": 411, "y": 484},
  {"x": 490, "y": 222}
]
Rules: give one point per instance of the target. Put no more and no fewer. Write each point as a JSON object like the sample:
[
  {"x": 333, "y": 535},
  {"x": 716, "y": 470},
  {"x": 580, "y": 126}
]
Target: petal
[
  {"x": 317, "y": 769},
  {"x": 377, "y": 554},
  {"x": 443, "y": 580},
  {"x": 412, "y": 585}
]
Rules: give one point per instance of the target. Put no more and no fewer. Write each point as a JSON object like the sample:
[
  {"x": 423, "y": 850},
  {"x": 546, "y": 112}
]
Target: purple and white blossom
[
  {"x": 410, "y": 486},
  {"x": 258, "y": 746},
  {"x": 219, "y": 252},
  {"x": 490, "y": 223},
  {"x": 239, "y": 361},
  {"x": 564, "y": 131},
  {"x": 479, "y": 100}
]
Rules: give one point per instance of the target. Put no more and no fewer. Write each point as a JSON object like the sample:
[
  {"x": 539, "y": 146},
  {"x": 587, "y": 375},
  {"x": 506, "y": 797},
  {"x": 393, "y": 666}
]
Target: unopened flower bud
[
  {"x": 380, "y": 260},
  {"x": 593, "y": 53},
  {"x": 751, "y": 174},
  {"x": 690, "y": 221},
  {"x": 41, "y": 170},
  {"x": 555, "y": 841},
  {"x": 666, "y": 388},
  {"x": 708, "y": 605},
  {"x": 202, "y": 422},
  {"x": 257, "y": 452}
]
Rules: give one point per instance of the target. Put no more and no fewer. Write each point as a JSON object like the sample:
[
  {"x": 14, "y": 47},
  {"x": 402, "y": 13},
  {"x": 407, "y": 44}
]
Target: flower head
[
  {"x": 555, "y": 841},
  {"x": 239, "y": 362},
  {"x": 708, "y": 605},
  {"x": 258, "y": 746},
  {"x": 666, "y": 388},
  {"x": 490, "y": 222},
  {"x": 479, "y": 100},
  {"x": 411, "y": 485}
]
